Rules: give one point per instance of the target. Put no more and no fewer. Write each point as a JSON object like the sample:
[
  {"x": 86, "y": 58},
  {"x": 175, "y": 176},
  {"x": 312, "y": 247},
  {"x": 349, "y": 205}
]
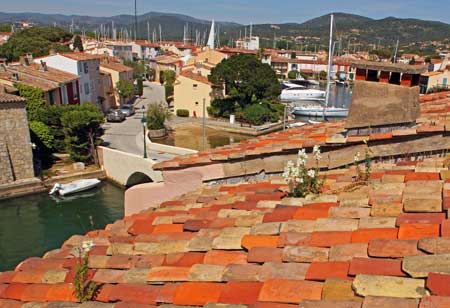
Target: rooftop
[
  {"x": 197, "y": 77},
  {"x": 9, "y": 98},
  {"x": 119, "y": 67},
  {"x": 249, "y": 245},
  {"x": 391, "y": 67},
  {"x": 435, "y": 111},
  {"x": 50, "y": 74},
  {"x": 45, "y": 85},
  {"x": 80, "y": 56}
]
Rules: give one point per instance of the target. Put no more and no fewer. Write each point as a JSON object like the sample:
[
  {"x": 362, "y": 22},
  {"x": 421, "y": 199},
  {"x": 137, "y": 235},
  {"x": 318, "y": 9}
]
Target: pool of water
[
  {"x": 190, "y": 136},
  {"x": 32, "y": 225}
]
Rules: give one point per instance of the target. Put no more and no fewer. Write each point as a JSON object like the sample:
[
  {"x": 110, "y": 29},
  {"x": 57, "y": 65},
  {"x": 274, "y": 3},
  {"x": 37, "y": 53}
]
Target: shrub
[
  {"x": 157, "y": 114},
  {"x": 182, "y": 113},
  {"x": 169, "y": 91},
  {"x": 35, "y": 100},
  {"x": 43, "y": 133},
  {"x": 256, "y": 114},
  {"x": 303, "y": 181},
  {"x": 292, "y": 74}
]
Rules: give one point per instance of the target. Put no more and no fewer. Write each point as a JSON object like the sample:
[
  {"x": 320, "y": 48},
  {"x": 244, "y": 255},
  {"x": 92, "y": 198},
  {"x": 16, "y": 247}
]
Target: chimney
[
  {"x": 2, "y": 67},
  {"x": 29, "y": 56},
  {"x": 43, "y": 66},
  {"x": 23, "y": 60},
  {"x": 15, "y": 76}
]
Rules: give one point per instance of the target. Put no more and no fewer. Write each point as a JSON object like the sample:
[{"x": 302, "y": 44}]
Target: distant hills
[{"x": 360, "y": 29}]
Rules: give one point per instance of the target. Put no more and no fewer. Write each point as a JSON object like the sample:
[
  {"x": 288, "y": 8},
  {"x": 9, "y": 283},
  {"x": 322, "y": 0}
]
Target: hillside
[{"x": 359, "y": 29}]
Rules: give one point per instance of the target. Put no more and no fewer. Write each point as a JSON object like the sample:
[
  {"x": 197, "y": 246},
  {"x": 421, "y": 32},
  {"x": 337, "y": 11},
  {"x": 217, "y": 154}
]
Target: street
[{"x": 128, "y": 136}]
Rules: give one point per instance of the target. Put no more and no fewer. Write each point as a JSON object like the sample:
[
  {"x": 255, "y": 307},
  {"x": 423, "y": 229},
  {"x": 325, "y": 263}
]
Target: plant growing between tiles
[
  {"x": 302, "y": 180},
  {"x": 360, "y": 175},
  {"x": 84, "y": 288}
]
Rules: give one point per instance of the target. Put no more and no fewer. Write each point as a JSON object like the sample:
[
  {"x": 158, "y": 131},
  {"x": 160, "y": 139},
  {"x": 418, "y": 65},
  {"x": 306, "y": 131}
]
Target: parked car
[
  {"x": 127, "y": 110},
  {"x": 115, "y": 115}
]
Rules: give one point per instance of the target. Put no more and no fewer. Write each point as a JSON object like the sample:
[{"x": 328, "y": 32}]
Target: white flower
[
  {"x": 87, "y": 245},
  {"x": 299, "y": 180},
  {"x": 316, "y": 152},
  {"x": 357, "y": 157},
  {"x": 311, "y": 173}
]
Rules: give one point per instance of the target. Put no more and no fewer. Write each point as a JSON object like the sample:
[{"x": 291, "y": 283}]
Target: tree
[
  {"x": 82, "y": 127},
  {"x": 37, "y": 40},
  {"x": 156, "y": 116},
  {"x": 77, "y": 43},
  {"x": 140, "y": 87},
  {"x": 169, "y": 76},
  {"x": 293, "y": 55},
  {"x": 244, "y": 77},
  {"x": 292, "y": 74},
  {"x": 138, "y": 68},
  {"x": 125, "y": 89}
]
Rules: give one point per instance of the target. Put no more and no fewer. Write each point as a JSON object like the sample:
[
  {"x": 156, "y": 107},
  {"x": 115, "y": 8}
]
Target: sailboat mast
[{"x": 330, "y": 63}]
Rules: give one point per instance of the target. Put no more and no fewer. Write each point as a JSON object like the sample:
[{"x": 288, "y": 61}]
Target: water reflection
[{"x": 32, "y": 225}]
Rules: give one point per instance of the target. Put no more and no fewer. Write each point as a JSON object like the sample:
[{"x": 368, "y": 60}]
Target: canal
[{"x": 32, "y": 225}]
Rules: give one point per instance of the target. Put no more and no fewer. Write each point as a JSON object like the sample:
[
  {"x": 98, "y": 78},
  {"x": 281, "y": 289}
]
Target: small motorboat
[{"x": 74, "y": 187}]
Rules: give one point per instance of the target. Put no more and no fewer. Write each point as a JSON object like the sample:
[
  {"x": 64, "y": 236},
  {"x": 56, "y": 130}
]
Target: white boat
[
  {"x": 301, "y": 93},
  {"x": 319, "y": 111},
  {"x": 296, "y": 124},
  {"x": 74, "y": 187}
]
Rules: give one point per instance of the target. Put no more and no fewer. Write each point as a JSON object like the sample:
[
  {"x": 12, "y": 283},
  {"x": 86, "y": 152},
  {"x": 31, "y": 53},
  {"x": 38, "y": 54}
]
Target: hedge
[{"x": 183, "y": 113}]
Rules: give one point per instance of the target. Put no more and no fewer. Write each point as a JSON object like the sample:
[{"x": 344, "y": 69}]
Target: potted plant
[{"x": 157, "y": 114}]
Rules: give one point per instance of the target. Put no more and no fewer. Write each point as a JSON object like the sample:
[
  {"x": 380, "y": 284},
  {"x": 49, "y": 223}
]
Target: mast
[
  {"x": 330, "y": 63},
  {"x": 135, "y": 21}
]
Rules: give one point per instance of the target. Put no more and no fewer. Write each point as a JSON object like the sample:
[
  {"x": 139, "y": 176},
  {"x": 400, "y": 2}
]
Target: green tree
[
  {"x": 43, "y": 133},
  {"x": 139, "y": 86},
  {"x": 35, "y": 100},
  {"x": 169, "y": 76},
  {"x": 138, "y": 68},
  {"x": 292, "y": 74},
  {"x": 157, "y": 114},
  {"x": 293, "y": 55},
  {"x": 246, "y": 77},
  {"x": 169, "y": 91},
  {"x": 78, "y": 43},
  {"x": 37, "y": 40},
  {"x": 5, "y": 28},
  {"x": 82, "y": 127},
  {"x": 125, "y": 89},
  {"x": 161, "y": 77}
]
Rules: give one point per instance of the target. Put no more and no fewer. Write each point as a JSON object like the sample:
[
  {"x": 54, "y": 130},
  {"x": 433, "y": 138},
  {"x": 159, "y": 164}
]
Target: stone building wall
[{"x": 16, "y": 157}]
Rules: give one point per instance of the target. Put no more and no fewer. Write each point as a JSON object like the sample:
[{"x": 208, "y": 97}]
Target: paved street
[{"x": 128, "y": 135}]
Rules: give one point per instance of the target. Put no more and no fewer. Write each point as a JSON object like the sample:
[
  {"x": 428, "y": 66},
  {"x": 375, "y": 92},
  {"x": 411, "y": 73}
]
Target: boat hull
[
  {"x": 331, "y": 113},
  {"x": 75, "y": 187}
]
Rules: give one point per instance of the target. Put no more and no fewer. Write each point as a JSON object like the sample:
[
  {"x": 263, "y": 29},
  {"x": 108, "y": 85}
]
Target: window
[
  {"x": 196, "y": 103},
  {"x": 86, "y": 88},
  {"x": 195, "y": 86},
  {"x": 444, "y": 81},
  {"x": 51, "y": 97},
  {"x": 79, "y": 68},
  {"x": 86, "y": 67},
  {"x": 74, "y": 90}
]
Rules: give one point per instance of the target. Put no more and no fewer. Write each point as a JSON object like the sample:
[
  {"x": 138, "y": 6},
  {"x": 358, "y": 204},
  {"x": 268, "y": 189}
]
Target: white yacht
[
  {"x": 320, "y": 111},
  {"x": 301, "y": 93}
]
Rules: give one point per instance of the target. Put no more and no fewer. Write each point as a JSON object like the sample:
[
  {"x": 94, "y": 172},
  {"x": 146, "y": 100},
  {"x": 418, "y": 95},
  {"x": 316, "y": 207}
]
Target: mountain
[{"x": 349, "y": 27}]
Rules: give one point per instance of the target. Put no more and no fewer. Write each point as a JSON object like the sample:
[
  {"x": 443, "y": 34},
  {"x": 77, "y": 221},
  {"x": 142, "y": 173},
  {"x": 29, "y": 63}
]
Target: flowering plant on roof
[
  {"x": 85, "y": 289},
  {"x": 301, "y": 179}
]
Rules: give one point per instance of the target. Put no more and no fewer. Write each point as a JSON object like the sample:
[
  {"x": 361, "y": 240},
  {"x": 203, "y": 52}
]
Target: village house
[
  {"x": 107, "y": 92},
  {"x": 86, "y": 66},
  {"x": 145, "y": 50},
  {"x": 166, "y": 63},
  {"x": 208, "y": 56},
  {"x": 4, "y": 36},
  {"x": 121, "y": 50},
  {"x": 118, "y": 72},
  {"x": 190, "y": 89},
  {"x": 60, "y": 88},
  {"x": 436, "y": 79}
]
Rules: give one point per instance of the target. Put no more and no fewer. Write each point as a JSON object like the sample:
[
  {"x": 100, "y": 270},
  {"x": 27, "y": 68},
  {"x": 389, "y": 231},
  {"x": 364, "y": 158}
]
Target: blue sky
[{"x": 243, "y": 11}]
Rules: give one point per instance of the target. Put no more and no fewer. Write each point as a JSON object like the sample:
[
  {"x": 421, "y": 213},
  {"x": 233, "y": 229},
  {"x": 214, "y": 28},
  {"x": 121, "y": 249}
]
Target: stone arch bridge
[{"x": 127, "y": 169}]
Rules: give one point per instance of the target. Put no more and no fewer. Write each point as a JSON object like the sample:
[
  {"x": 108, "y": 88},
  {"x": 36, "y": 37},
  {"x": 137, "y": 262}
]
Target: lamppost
[{"x": 144, "y": 125}]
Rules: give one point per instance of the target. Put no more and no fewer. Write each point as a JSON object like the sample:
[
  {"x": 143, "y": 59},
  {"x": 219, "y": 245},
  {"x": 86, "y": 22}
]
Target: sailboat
[{"x": 318, "y": 110}]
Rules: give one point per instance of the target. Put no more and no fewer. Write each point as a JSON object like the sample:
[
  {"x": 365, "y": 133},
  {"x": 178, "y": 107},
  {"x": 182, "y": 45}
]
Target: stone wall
[{"x": 16, "y": 157}]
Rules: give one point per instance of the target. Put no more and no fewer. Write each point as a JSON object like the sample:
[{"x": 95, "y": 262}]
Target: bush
[
  {"x": 183, "y": 113},
  {"x": 35, "y": 100},
  {"x": 169, "y": 91},
  {"x": 256, "y": 114},
  {"x": 157, "y": 114},
  {"x": 43, "y": 133},
  {"x": 292, "y": 74},
  {"x": 140, "y": 86}
]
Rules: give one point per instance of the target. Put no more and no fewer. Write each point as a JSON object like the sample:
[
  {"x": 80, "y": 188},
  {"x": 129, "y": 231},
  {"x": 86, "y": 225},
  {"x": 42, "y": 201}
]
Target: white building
[
  {"x": 249, "y": 43},
  {"x": 86, "y": 66}
]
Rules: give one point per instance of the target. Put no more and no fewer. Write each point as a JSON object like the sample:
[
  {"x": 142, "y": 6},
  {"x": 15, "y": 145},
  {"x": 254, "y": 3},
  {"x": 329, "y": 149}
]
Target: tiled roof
[
  {"x": 385, "y": 244},
  {"x": 9, "y": 98},
  {"x": 191, "y": 75},
  {"x": 435, "y": 109},
  {"x": 45, "y": 85},
  {"x": 166, "y": 60},
  {"x": 116, "y": 67},
  {"x": 80, "y": 56},
  {"x": 50, "y": 74}
]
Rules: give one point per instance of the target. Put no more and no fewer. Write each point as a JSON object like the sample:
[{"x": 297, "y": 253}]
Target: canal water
[{"x": 32, "y": 225}]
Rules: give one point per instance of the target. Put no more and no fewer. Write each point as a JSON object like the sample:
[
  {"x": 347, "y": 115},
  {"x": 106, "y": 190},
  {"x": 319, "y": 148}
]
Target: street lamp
[{"x": 144, "y": 125}]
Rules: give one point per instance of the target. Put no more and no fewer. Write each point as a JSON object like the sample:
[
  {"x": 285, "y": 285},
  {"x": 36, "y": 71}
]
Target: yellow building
[
  {"x": 118, "y": 72},
  {"x": 190, "y": 89},
  {"x": 210, "y": 56}
]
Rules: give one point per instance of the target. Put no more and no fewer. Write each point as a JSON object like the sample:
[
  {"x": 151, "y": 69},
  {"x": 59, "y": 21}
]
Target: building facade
[{"x": 16, "y": 157}]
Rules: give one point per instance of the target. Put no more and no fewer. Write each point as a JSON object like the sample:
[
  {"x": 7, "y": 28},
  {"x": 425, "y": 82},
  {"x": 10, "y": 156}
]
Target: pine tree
[{"x": 77, "y": 43}]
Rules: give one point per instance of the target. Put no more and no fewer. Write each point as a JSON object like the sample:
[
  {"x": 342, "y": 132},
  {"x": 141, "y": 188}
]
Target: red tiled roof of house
[
  {"x": 80, "y": 56},
  {"x": 192, "y": 75},
  {"x": 119, "y": 67},
  {"x": 50, "y": 74},
  {"x": 385, "y": 244},
  {"x": 45, "y": 85},
  {"x": 9, "y": 98},
  {"x": 434, "y": 112}
]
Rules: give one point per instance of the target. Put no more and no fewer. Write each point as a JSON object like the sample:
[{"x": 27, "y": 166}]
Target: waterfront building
[
  {"x": 16, "y": 158},
  {"x": 436, "y": 80},
  {"x": 118, "y": 72},
  {"x": 60, "y": 87},
  {"x": 86, "y": 66}
]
